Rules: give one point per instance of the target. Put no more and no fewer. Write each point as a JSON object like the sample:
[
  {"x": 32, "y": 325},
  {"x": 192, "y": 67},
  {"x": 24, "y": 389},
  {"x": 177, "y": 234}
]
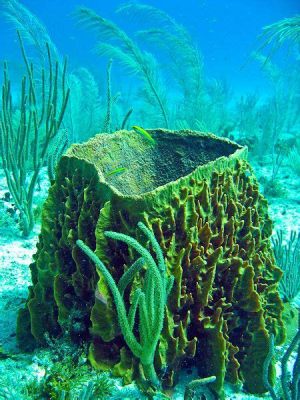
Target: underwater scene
[{"x": 150, "y": 200}]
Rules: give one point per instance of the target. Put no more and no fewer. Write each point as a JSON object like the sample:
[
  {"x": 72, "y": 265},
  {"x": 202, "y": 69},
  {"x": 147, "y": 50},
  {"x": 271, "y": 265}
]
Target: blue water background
[{"x": 226, "y": 33}]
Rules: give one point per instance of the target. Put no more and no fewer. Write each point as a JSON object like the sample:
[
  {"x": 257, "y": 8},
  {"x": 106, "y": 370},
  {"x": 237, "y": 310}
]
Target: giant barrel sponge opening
[{"x": 198, "y": 195}]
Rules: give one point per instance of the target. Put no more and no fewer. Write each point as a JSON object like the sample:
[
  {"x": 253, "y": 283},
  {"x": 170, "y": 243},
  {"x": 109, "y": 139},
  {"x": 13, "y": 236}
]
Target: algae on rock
[{"x": 198, "y": 195}]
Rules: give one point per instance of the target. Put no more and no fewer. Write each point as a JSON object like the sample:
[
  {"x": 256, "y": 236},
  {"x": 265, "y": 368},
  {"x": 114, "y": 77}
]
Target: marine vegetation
[
  {"x": 30, "y": 28},
  {"x": 270, "y": 125},
  {"x": 288, "y": 259},
  {"x": 294, "y": 159},
  {"x": 290, "y": 383},
  {"x": 184, "y": 60},
  {"x": 201, "y": 104},
  {"x": 83, "y": 115},
  {"x": 208, "y": 226},
  {"x": 128, "y": 53},
  {"x": 281, "y": 32},
  {"x": 155, "y": 258},
  {"x": 150, "y": 301},
  {"x": 31, "y": 129}
]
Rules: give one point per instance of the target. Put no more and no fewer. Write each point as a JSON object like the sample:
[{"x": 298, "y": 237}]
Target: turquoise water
[
  {"x": 225, "y": 32},
  {"x": 229, "y": 68}
]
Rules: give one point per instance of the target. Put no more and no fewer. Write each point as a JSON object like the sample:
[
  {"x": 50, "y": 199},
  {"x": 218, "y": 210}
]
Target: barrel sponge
[{"x": 199, "y": 196}]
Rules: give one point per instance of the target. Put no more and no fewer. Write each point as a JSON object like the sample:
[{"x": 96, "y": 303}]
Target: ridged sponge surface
[{"x": 198, "y": 195}]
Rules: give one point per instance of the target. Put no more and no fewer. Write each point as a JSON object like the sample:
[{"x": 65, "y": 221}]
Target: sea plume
[
  {"x": 31, "y": 29},
  {"x": 123, "y": 49}
]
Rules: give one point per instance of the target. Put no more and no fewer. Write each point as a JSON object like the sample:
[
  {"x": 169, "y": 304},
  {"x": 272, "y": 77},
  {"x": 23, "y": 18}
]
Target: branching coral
[
  {"x": 32, "y": 30},
  {"x": 82, "y": 117},
  {"x": 184, "y": 58},
  {"x": 149, "y": 301},
  {"x": 41, "y": 114},
  {"x": 128, "y": 54},
  {"x": 288, "y": 259},
  {"x": 281, "y": 32}
]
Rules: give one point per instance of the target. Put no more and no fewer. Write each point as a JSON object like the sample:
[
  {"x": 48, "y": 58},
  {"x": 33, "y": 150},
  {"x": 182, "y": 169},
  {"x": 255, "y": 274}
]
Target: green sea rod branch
[
  {"x": 134, "y": 307},
  {"x": 107, "y": 120},
  {"x": 157, "y": 279},
  {"x": 126, "y": 117},
  {"x": 150, "y": 301},
  {"x": 131, "y": 341},
  {"x": 155, "y": 245},
  {"x": 156, "y": 276},
  {"x": 129, "y": 274}
]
